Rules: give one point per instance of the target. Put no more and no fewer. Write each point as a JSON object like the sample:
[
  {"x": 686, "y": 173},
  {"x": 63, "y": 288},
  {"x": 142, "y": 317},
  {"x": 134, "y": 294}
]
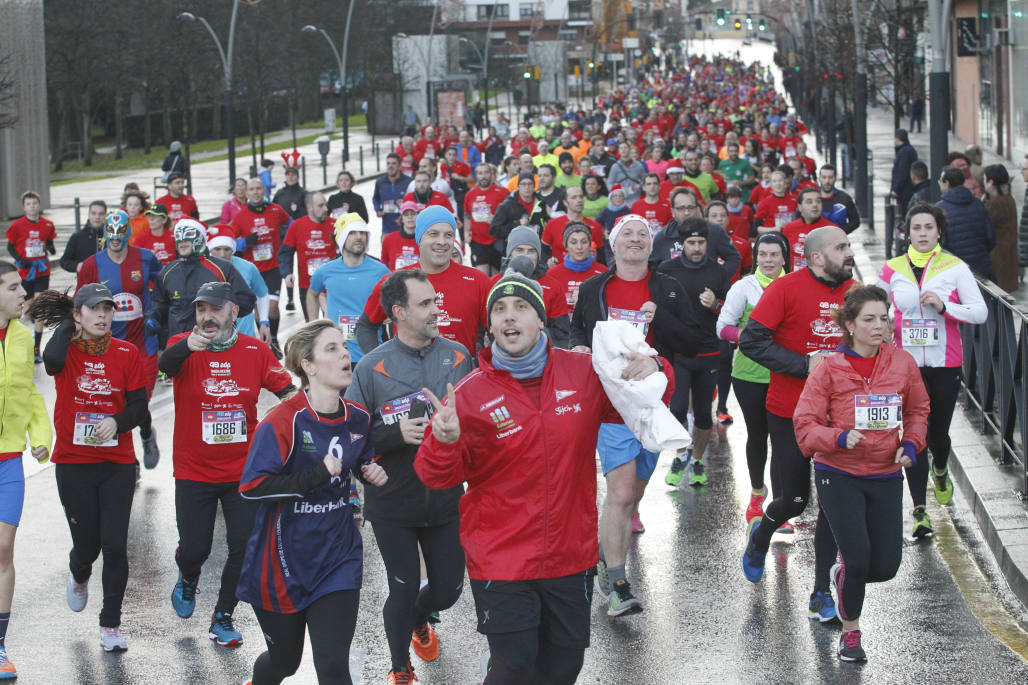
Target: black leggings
[
  {"x": 943, "y": 386},
  {"x": 196, "y": 507},
  {"x": 522, "y": 657},
  {"x": 97, "y": 500},
  {"x": 724, "y": 375},
  {"x": 303, "y": 303},
  {"x": 330, "y": 620},
  {"x": 792, "y": 470},
  {"x": 866, "y": 515},
  {"x": 752, "y": 400},
  {"x": 407, "y": 606},
  {"x": 695, "y": 377}
]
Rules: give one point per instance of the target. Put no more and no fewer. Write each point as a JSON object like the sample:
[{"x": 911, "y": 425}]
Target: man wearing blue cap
[{"x": 461, "y": 291}]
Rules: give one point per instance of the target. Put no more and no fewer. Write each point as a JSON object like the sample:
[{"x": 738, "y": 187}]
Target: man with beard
[
  {"x": 796, "y": 232},
  {"x": 836, "y": 205},
  {"x": 347, "y": 280},
  {"x": 218, "y": 375},
  {"x": 480, "y": 206},
  {"x": 668, "y": 243},
  {"x": 521, "y": 208},
  {"x": 423, "y": 193},
  {"x": 790, "y": 331},
  {"x": 704, "y": 181},
  {"x": 310, "y": 239}
]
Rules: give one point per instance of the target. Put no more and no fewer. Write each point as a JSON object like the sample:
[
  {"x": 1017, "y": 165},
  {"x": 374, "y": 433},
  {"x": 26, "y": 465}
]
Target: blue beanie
[{"x": 430, "y": 216}]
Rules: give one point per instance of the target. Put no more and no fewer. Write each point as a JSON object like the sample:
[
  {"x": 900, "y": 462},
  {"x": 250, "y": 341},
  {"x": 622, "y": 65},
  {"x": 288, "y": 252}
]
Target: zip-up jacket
[
  {"x": 508, "y": 217},
  {"x": 970, "y": 234},
  {"x": 827, "y": 409},
  {"x": 530, "y": 508},
  {"x": 387, "y": 198},
  {"x": 172, "y": 311},
  {"x": 695, "y": 278},
  {"x": 949, "y": 278},
  {"x": 22, "y": 409},
  {"x": 388, "y": 381},
  {"x": 668, "y": 244},
  {"x": 741, "y": 299}
]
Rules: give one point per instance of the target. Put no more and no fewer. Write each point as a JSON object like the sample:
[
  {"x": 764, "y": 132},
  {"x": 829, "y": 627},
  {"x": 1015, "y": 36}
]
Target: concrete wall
[{"x": 25, "y": 148}]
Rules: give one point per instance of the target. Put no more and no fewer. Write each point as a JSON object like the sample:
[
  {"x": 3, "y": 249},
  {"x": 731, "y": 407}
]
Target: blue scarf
[
  {"x": 578, "y": 266},
  {"x": 529, "y": 366}
]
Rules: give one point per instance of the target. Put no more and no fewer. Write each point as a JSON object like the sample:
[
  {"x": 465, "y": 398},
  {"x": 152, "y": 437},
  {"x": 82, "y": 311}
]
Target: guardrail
[{"x": 995, "y": 370}]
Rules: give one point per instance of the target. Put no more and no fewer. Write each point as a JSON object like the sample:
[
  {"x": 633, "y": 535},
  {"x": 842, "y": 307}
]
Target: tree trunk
[
  {"x": 62, "y": 133},
  {"x": 87, "y": 134},
  {"x": 147, "y": 123},
  {"x": 119, "y": 127},
  {"x": 216, "y": 127}
]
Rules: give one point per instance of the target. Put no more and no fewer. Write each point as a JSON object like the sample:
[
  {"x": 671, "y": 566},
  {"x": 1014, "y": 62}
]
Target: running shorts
[
  {"x": 618, "y": 446},
  {"x": 12, "y": 490}
]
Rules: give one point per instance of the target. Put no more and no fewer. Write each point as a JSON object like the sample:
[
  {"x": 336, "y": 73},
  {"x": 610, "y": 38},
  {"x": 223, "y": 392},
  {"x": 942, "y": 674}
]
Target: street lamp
[
  {"x": 484, "y": 61},
  {"x": 341, "y": 64},
  {"x": 226, "y": 64}
]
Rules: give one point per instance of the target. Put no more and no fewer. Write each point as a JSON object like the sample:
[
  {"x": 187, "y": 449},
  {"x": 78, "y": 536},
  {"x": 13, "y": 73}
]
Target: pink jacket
[{"x": 827, "y": 408}]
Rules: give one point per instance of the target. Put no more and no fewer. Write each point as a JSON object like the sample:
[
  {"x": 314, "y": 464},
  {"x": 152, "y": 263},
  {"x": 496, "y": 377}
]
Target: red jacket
[
  {"x": 827, "y": 408},
  {"x": 530, "y": 507}
]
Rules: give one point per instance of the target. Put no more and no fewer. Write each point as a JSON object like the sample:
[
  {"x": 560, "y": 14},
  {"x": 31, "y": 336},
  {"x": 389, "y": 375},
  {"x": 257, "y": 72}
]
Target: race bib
[
  {"x": 877, "y": 412},
  {"x": 262, "y": 252},
  {"x": 405, "y": 259},
  {"x": 314, "y": 264},
  {"x": 782, "y": 218},
  {"x": 920, "y": 332},
  {"x": 34, "y": 248},
  {"x": 571, "y": 296},
  {"x": 637, "y": 319},
  {"x": 390, "y": 208},
  {"x": 397, "y": 409},
  {"x": 223, "y": 427},
  {"x": 349, "y": 326},
  {"x": 480, "y": 212},
  {"x": 85, "y": 430}
]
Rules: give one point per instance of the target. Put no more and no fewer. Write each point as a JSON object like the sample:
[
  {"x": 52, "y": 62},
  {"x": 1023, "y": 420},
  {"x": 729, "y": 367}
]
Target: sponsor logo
[
  {"x": 508, "y": 433},
  {"x": 308, "y": 508},
  {"x": 354, "y": 437},
  {"x": 492, "y": 403},
  {"x": 91, "y": 385},
  {"x": 220, "y": 388},
  {"x": 308, "y": 442},
  {"x": 561, "y": 394},
  {"x": 136, "y": 275},
  {"x": 567, "y": 409}
]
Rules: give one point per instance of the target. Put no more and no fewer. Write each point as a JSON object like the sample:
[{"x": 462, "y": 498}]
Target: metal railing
[{"x": 995, "y": 370}]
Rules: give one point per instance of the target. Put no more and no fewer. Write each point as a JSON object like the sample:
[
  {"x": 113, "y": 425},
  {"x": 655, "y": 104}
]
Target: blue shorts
[
  {"x": 12, "y": 490},
  {"x": 618, "y": 446}
]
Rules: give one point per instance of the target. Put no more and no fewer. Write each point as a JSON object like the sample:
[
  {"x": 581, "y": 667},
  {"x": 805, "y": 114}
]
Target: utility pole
[
  {"x": 938, "y": 91},
  {"x": 860, "y": 116}
]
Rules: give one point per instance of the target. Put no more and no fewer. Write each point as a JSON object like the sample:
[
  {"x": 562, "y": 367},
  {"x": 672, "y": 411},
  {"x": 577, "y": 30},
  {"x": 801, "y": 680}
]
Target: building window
[
  {"x": 526, "y": 10},
  {"x": 494, "y": 11},
  {"x": 570, "y": 36},
  {"x": 524, "y": 37}
]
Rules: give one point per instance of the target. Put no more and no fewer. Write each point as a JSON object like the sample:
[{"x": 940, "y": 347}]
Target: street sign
[
  {"x": 330, "y": 120},
  {"x": 629, "y": 43}
]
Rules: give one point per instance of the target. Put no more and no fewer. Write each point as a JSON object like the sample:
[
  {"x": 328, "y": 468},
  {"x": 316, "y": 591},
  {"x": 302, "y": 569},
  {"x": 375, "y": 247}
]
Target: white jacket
[{"x": 638, "y": 402}]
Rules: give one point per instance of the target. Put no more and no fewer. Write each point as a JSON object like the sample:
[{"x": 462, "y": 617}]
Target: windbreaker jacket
[
  {"x": 741, "y": 299},
  {"x": 172, "y": 309},
  {"x": 21, "y": 405},
  {"x": 827, "y": 408},
  {"x": 971, "y": 233},
  {"x": 949, "y": 278},
  {"x": 530, "y": 508}
]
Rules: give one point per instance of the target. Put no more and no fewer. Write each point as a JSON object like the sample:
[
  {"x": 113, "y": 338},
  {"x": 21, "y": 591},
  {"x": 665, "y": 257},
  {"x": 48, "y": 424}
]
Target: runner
[
  {"x": 777, "y": 206},
  {"x": 750, "y": 379},
  {"x": 460, "y": 290},
  {"x": 388, "y": 196},
  {"x": 553, "y": 234},
  {"x": 404, "y": 514},
  {"x": 158, "y": 237},
  {"x": 27, "y": 416},
  {"x": 235, "y": 203},
  {"x": 788, "y": 332},
  {"x": 796, "y": 232},
  {"x": 299, "y": 487},
  {"x": 176, "y": 201},
  {"x": 399, "y": 248},
  {"x": 85, "y": 241},
  {"x": 651, "y": 206},
  {"x": 578, "y": 265},
  {"x": 655, "y": 303},
  {"x": 523, "y": 255},
  {"x": 310, "y": 239},
  {"x": 668, "y": 244},
  {"x": 511, "y": 441},
  {"x": 218, "y": 376},
  {"x": 223, "y": 247},
  {"x": 101, "y": 397},
  {"x": 128, "y": 271},
  {"x": 29, "y": 239},
  {"x": 933, "y": 292},
  {"x": 259, "y": 230},
  {"x": 480, "y": 205},
  {"x": 423, "y": 192},
  {"x": 346, "y": 201},
  {"x": 862, "y": 414},
  {"x": 348, "y": 280}
]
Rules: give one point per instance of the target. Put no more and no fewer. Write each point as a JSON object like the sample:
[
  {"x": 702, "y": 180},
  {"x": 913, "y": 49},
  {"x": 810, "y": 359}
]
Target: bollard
[
  {"x": 890, "y": 225},
  {"x": 360, "y": 153},
  {"x": 303, "y": 170},
  {"x": 78, "y": 214},
  {"x": 378, "y": 159}
]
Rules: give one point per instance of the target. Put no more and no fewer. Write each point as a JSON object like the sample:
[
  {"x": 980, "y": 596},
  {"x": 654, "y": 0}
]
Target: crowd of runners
[{"x": 448, "y": 371}]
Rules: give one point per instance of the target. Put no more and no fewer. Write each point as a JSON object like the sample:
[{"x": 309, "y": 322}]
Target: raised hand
[{"x": 445, "y": 423}]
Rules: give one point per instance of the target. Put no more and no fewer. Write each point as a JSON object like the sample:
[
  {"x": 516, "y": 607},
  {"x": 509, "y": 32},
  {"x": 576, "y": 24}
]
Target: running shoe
[
  {"x": 290, "y": 307},
  {"x": 833, "y": 576},
  {"x": 276, "y": 349},
  {"x": 943, "y": 486},
  {"x": 822, "y": 607},
  {"x": 7, "y": 669},
  {"x": 222, "y": 631},
  {"x": 434, "y": 618},
  {"x": 111, "y": 640},
  {"x": 151, "y": 453},
  {"x": 697, "y": 474},
  {"x": 752, "y": 558},
  {"x": 165, "y": 378},
  {"x": 621, "y": 601},
  {"x": 756, "y": 508},
  {"x": 922, "y": 524},
  {"x": 786, "y": 528},
  {"x": 637, "y": 525},
  {"x": 404, "y": 676},
  {"x": 677, "y": 470},
  {"x": 849, "y": 647},
  {"x": 355, "y": 499},
  {"x": 724, "y": 418},
  {"x": 76, "y": 594},
  {"x": 37, "y": 356},
  {"x": 183, "y": 597},
  {"x": 602, "y": 580},
  {"x": 425, "y": 643}
]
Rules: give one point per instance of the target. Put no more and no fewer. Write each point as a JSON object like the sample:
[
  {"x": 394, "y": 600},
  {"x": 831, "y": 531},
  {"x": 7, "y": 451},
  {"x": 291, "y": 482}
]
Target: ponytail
[{"x": 51, "y": 307}]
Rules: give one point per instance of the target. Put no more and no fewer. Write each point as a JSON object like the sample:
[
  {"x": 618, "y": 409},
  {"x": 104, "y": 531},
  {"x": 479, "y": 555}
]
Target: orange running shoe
[
  {"x": 7, "y": 669},
  {"x": 425, "y": 643},
  {"x": 402, "y": 677}
]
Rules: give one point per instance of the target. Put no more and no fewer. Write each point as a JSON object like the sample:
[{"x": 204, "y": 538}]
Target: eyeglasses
[{"x": 685, "y": 207}]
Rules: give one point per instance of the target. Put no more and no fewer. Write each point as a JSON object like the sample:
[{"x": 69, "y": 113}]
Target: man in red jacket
[{"x": 521, "y": 431}]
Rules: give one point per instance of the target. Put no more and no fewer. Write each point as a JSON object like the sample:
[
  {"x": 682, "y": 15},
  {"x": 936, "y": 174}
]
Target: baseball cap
[
  {"x": 215, "y": 292},
  {"x": 157, "y": 210},
  {"x": 93, "y": 294},
  {"x": 409, "y": 206}
]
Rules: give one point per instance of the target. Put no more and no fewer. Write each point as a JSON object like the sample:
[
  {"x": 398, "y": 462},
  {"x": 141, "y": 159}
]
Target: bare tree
[{"x": 8, "y": 95}]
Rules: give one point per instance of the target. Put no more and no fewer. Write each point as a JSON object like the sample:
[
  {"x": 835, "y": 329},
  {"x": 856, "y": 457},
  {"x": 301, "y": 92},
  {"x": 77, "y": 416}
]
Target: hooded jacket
[
  {"x": 970, "y": 234},
  {"x": 22, "y": 409},
  {"x": 668, "y": 245}
]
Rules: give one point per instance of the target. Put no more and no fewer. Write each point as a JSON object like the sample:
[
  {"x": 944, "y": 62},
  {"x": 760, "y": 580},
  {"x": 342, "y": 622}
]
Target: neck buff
[
  {"x": 921, "y": 259},
  {"x": 94, "y": 348},
  {"x": 258, "y": 207},
  {"x": 221, "y": 347},
  {"x": 578, "y": 266},
  {"x": 765, "y": 281},
  {"x": 529, "y": 366}
]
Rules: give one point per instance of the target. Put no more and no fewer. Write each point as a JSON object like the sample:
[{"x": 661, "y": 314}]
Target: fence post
[
  {"x": 890, "y": 225},
  {"x": 360, "y": 152},
  {"x": 303, "y": 170},
  {"x": 378, "y": 159},
  {"x": 78, "y": 214}
]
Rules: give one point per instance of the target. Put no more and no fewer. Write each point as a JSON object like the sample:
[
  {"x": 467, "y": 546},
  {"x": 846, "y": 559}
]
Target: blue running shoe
[
  {"x": 822, "y": 607},
  {"x": 7, "y": 669},
  {"x": 183, "y": 597},
  {"x": 222, "y": 631},
  {"x": 753, "y": 559}
]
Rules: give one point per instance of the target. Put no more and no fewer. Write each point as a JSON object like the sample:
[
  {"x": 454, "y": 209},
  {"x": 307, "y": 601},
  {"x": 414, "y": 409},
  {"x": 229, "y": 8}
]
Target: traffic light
[
  {"x": 738, "y": 25},
  {"x": 528, "y": 72},
  {"x": 749, "y": 20},
  {"x": 761, "y": 26},
  {"x": 720, "y": 17},
  {"x": 537, "y": 73}
]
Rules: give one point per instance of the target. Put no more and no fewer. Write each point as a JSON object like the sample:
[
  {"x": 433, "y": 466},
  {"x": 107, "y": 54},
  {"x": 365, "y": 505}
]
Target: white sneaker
[
  {"x": 77, "y": 594},
  {"x": 111, "y": 640}
]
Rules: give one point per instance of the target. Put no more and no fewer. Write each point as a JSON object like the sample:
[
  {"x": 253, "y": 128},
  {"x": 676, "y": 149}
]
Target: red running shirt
[
  {"x": 267, "y": 225},
  {"x": 216, "y": 407},
  {"x": 569, "y": 281},
  {"x": 178, "y": 207},
  {"x": 162, "y": 246},
  {"x": 553, "y": 234},
  {"x": 796, "y": 233},
  {"x": 29, "y": 239},
  {"x": 399, "y": 251},
  {"x": 657, "y": 215},
  {"x": 774, "y": 211},
  {"x": 88, "y": 390},
  {"x": 314, "y": 246},
  {"x": 625, "y": 300},
  {"x": 480, "y": 205}
]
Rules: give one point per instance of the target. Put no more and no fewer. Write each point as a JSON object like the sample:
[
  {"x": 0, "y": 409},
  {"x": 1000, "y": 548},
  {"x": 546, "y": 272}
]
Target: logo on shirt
[
  {"x": 354, "y": 437},
  {"x": 308, "y": 508},
  {"x": 91, "y": 385},
  {"x": 492, "y": 403},
  {"x": 308, "y": 442},
  {"x": 561, "y": 394},
  {"x": 567, "y": 409},
  {"x": 136, "y": 275},
  {"x": 225, "y": 387},
  {"x": 501, "y": 417}
]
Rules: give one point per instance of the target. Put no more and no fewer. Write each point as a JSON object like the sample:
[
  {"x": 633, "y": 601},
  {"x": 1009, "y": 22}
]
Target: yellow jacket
[{"x": 21, "y": 404}]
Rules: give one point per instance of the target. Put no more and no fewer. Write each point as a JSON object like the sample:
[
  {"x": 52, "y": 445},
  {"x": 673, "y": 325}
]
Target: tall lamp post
[
  {"x": 485, "y": 73},
  {"x": 341, "y": 63},
  {"x": 226, "y": 64}
]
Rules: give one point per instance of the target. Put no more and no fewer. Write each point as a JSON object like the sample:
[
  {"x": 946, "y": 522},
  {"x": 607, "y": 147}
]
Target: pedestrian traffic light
[
  {"x": 738, "y": 25},
  {"x": 749, "y": 20},
  {"x": 720, "y": 17},
  {"x": 761, "y": 26},
  {"x": 528, "y": 72},
  {"x": 537, "y": 73}
]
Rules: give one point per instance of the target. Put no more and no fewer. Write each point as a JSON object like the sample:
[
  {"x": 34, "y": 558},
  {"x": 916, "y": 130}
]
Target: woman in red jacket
[{"x": 862, "y": 417}]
